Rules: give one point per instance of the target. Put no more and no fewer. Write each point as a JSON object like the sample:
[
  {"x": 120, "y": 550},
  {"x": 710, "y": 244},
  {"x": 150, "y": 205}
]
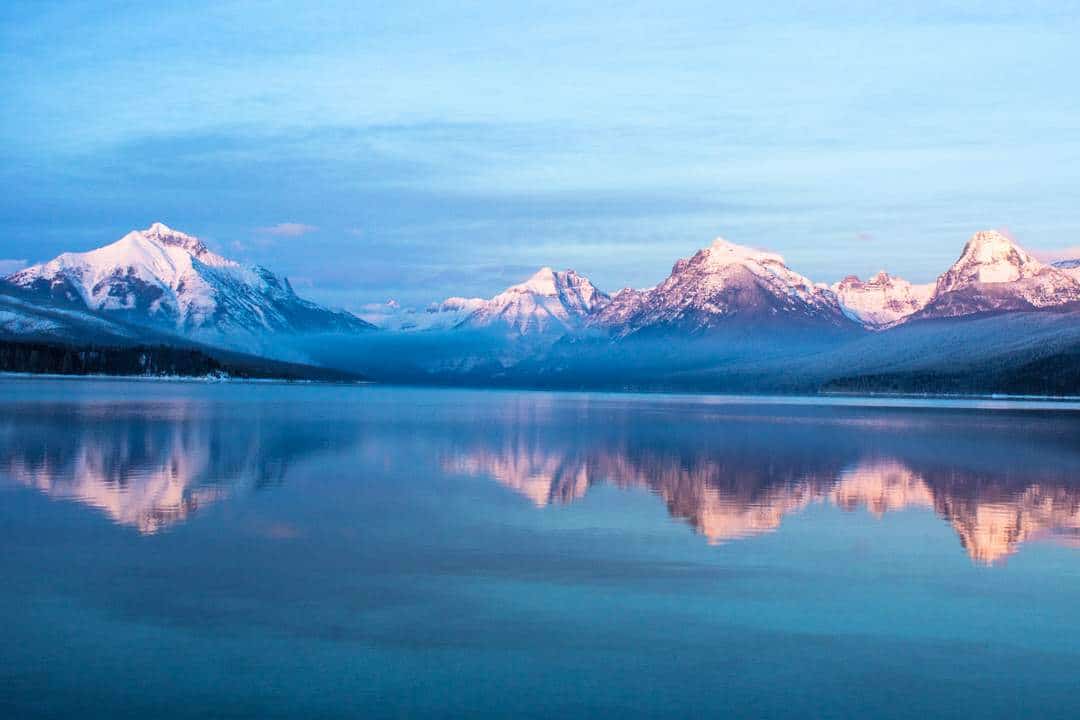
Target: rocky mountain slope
[
  {"x": 883, "y": 300},
  {"x": 547, "y": 302},
  {"x": 165, "y": 279},
  {"x": 720, "y": 284},
  {"x": 994, "y": 274},
  {"x": 728, "y": 285}
]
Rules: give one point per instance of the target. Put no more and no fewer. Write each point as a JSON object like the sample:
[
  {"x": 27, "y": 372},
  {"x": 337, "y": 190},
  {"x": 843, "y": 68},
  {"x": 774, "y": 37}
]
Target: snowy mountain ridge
[
  {"x": 169, "y": 280},
  {"x": 883, "y": 300},
  {"x": 548, "y": 301},
  {"x": 729, "y": 283},
  {"x": 723, "y": 283},
  {"x": 994, "y": 274}
]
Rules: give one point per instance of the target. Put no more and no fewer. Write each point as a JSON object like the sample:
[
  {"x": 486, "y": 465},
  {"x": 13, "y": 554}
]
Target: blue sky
[{"x": 418, "y": 150}]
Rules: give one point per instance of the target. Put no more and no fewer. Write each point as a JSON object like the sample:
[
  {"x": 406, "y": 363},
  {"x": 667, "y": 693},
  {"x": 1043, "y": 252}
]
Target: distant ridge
[{"x": 726, "y": 283}]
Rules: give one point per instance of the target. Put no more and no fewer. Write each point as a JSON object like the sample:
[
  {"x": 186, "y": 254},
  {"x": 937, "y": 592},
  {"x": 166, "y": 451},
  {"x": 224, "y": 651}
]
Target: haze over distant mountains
[{"x": 727, "y": 314}]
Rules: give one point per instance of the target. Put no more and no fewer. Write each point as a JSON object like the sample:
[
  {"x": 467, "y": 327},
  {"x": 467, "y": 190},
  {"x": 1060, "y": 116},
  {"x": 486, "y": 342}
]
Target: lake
[{"x": 187, "y": 549}]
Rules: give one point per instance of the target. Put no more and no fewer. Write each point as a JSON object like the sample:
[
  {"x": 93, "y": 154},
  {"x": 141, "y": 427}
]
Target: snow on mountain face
[
  {"x": 723, "y": 282},
  {"x": 547, "y": 302},
  {"x": 450, "y": 312},
  {"x": 883, "y": 300},
  {"x": 988, "y": 257},
  {"x": 1069, "y": 267},
  {"x": 170, "y": 280},
  {"x": 436, "y": 316},
  {"x": 994, "y": 274},
  {"x": 625, "y": 305}
]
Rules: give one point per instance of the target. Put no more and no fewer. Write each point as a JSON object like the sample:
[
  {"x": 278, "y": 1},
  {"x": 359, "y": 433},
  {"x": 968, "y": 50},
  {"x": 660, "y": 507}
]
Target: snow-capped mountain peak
[
  {"x": 721, "y": 283},
  {"x": 723, "y": 252},
  {"x": 883, "y": 300},
  {"x": 547, "y": 301},
  {"x": 543, "y": 282},
  {"x": 171, "y": 280},
  {"x": 989, "y": 257},
  {"x": 994, "y": 274},
  {"x": 165, "y": 235}
]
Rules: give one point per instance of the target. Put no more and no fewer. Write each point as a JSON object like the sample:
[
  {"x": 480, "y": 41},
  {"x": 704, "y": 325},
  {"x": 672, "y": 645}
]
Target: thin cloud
[
  {"x": 1067, "y": 253},
  {"x": 9, "y": 266},
  {"x": 287, "y": 229}
]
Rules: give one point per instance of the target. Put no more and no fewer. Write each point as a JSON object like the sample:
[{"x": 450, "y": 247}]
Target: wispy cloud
[
  {"x": 1066, "y": 253},
  {"x": 287, "y": 229},
  {"x": 9, "y": 266}
]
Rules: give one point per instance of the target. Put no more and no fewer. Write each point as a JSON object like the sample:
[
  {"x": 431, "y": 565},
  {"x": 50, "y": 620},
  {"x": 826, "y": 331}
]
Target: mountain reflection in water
[
  {"x": 731, "y": 469},
  {"x": 999, "y": 480},
  {"x": 152, "y": 465}
]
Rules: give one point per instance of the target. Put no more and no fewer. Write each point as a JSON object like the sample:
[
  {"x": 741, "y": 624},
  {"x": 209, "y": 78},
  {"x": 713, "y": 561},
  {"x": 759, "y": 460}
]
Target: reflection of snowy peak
[
  {"x": 882, "y": 300},
  {"x": 170, "y": 280},
  {"x": 991, "y": 519},
  {"x": 724, "y": 282},
  {"x": 152, "y": 465}
]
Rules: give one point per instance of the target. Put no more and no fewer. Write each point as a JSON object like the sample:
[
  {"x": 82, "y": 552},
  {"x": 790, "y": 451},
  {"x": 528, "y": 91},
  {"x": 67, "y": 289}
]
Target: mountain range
[
  {"x": 727, "y": 314},
  {"x": 727, "y": 283}
]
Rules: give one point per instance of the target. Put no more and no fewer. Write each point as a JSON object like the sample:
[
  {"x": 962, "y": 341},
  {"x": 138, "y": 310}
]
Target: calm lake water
[{"x": 175, "y": 550}]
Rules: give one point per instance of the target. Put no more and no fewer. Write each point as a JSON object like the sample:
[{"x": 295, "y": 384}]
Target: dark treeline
[
  {"x": 37, "y": 357},
  {"x": 150, "y": 360},
  {"x": 1055, "y": 375}
]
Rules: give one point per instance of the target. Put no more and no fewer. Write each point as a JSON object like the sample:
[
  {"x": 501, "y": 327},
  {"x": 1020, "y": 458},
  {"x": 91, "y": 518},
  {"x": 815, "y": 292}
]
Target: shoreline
[
  {"x": 203, "y": 379},
  {"x": 805, "y": 397}
]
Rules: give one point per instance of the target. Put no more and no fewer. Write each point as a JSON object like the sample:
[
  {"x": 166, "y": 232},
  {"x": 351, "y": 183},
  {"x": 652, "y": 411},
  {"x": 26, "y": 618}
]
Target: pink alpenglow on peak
[
  {"x": 989, "y": 257},
  {"x": 721, "y": 284},
  {"x": 994, "y": 274},
  {"x": 549, "y": 301},
  {"x": 169, "y": 280},
  {"x": 883, "y": 300}
]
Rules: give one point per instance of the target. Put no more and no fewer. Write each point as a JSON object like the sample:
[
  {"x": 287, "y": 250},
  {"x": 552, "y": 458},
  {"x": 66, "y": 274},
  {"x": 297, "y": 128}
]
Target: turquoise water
[{"x": 175, "y": 550}]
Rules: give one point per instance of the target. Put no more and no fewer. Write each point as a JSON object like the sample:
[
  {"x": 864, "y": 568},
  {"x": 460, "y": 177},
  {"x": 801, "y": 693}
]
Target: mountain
[
  {"x": 170, "y": 281},
  {"x": 21, "y": 319},
  {"x": 437, "y": 316},
  {"x": 729, "y": 286},
  {"x": 1070, "y": 267},
  {"x": 549, "y": 302},
  {"x": 883, "y": 300},
  {"x": 994, "y": 274},
  {"x": 725, "y": 284}
]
